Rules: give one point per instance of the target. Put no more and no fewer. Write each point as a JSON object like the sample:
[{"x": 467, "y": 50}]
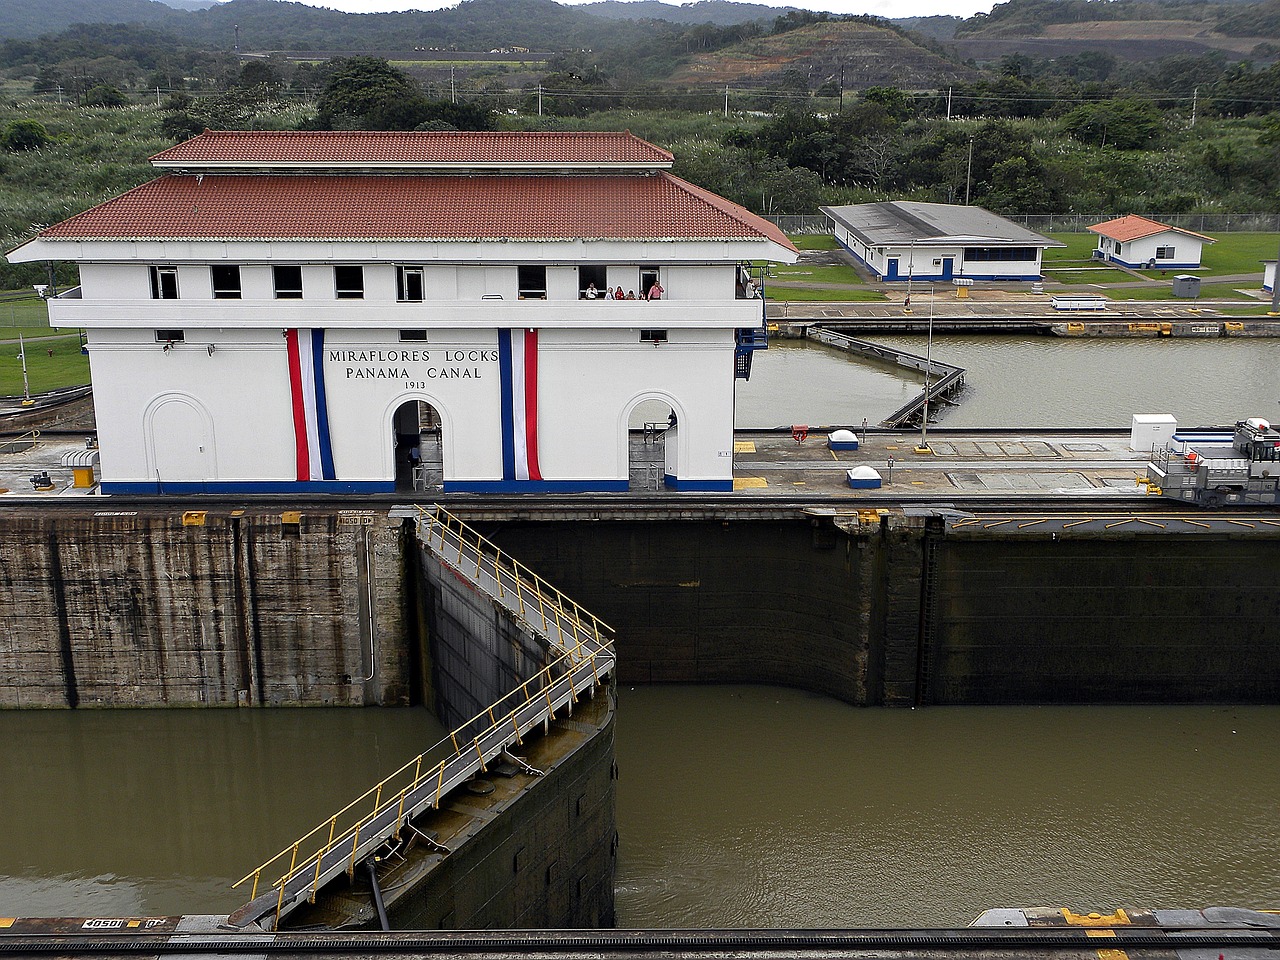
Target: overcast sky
[{"x": 880, "y": 8}]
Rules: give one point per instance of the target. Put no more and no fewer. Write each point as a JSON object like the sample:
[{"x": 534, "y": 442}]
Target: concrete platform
[
  {"x": 771, "y": 464},
  {"x": 1004, "y": 464}
]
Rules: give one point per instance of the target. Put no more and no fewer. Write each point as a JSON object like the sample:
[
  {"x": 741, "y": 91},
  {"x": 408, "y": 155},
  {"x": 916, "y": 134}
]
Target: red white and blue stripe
[
  {"x": 518, "y": 372},
  {"x": 313, "y": 451}
]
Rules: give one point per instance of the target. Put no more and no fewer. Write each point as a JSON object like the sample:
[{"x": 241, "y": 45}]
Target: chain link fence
[{"x": 1080, "y": 222}]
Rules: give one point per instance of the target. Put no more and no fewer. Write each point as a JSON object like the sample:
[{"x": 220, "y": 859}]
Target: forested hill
[
  {"x": 281, "y": 25},
  {"x": 723, "y": 12}
]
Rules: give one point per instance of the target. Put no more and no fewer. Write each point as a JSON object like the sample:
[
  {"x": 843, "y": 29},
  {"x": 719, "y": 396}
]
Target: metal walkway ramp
[{"x": 582, "y": 647}]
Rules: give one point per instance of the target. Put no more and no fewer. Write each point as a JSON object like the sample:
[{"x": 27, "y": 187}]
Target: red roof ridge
[
  {"x": 418, "y": 147},
  {"x": 740, "y": 213},
  {"x": 1134, "y": 226}
]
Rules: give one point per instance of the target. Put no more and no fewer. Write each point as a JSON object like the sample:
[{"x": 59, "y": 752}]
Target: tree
[
  {"x": 369, "y": 93},
  {"x": 1128, "y": 124},
  {"x": 104, "y": 95},
  {"x": 20, "y": 135}
]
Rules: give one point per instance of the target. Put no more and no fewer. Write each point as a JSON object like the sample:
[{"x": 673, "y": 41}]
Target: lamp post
[
  {"x": 26, "y": 387},
  {"x": 928, "y": 369},
  {"x": 911, "y": 268}
]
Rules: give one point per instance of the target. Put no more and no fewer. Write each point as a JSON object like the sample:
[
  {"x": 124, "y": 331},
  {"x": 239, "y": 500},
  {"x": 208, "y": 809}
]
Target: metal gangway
[{"x": 582, "y": 646}]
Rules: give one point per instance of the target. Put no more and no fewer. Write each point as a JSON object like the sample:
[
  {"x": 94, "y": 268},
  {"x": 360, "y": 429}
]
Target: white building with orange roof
[
  {"x": 1138, "y": 242},
  {"x": 336, "y": 311}
]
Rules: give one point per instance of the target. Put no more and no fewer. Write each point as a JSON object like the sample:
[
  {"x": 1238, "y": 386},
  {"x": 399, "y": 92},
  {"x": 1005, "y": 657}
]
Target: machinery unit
[{"x": 1212, "y": 473}]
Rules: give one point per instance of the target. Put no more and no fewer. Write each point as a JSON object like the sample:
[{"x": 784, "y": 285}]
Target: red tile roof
[
  {"x": 311, "y": 147},
  {"x": 1134, "y": 227},
  {"x": 421, "y": 207}
]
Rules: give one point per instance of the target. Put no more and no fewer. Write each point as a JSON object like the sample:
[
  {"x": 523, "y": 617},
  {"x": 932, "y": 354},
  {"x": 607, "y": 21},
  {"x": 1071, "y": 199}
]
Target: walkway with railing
[{"x": 583, "y": 645}]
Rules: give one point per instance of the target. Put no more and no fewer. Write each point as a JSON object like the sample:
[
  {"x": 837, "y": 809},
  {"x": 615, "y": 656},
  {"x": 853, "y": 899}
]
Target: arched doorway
[
  {"x": 652, "y": 443},
  {"x": 419, "y": 450},
  {"x": 179, "y": 438}
]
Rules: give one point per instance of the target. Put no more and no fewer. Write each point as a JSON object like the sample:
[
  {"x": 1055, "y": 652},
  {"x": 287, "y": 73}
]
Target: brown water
[
  {"x": 1023, "y": 381},
  {"x": 737, "y": 806},
  {"x": 761, "y": 806},
  {"x": 157, "y": 812}
]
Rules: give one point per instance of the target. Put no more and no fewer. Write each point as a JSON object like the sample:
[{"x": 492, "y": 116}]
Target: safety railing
[
  {"x": 378, "y": 816},
  {"x": 533, "y": 601},
  {"x": 21, "y": 443}
]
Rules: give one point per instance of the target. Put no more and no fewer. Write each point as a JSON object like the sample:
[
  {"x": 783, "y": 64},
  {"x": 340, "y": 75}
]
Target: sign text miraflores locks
[{"x": 462, "y": 364}]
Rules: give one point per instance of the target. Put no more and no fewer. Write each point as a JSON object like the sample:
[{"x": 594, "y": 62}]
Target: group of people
[{"x": 654, "y": 292}]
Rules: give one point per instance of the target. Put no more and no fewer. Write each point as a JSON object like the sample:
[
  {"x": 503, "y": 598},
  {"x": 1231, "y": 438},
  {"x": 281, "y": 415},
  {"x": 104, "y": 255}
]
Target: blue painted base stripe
[
  {"x": 189, "y": 487},
  {"x": 700, "y": 486},
  {"x": 535, "y": 486}
]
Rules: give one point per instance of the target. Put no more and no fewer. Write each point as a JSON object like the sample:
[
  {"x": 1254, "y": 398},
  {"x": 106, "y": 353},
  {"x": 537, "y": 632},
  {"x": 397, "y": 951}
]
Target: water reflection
[{"x": 778, "y": 808}]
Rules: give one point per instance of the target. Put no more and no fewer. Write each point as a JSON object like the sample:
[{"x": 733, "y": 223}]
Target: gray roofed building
[{"x": 903, "y": 239}]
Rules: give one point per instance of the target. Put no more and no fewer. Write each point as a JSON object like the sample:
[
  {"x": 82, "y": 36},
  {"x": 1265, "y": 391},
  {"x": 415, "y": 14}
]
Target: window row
[
  {"x": 593, "y": 281},
  {"x": 990, "y": 254}
]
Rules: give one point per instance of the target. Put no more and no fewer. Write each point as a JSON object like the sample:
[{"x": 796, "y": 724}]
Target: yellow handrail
[{"x": 490, "y": 719}]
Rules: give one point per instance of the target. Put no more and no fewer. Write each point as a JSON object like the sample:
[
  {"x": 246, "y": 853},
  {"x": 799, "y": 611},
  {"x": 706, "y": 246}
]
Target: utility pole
[
  {"x": 968, "y": 174},
  {"x": 726, "y": 101},
  {"x": 1195, "y": 97},
  {"x": 948, "y": 103},
  {"x": 1275, "y": 290},
  {"x": 539, "y": 99},
  {"x": 26, "y": 387},
  {"x": 453, "y": 90},
  {"x": 841, "y": 84}
]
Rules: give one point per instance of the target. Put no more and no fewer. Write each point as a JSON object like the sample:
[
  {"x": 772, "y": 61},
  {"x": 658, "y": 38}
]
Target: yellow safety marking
[
  {"x": 7, "y": 921},
  {"x": 1117, "y": 523},
  {"x": 749, "y": 483},
  {"x": 1117, "y": 919},
  {"x": 291, "y": 516},
  {"x": 194, "y": 518},
  {"x": 833, "y": 455},
  {"x": 1076, "y": 523},
  {"x": 1107, "y": 953},
  {"x": 744, "y": 446},
  {"x": 134, "y": 923},
  {"x": 1243, "y": 523},
  {"x": 1195, "y": 523},
  {"x": 797, "y": 483},
  {"x": 891, "y": 446},
  {"x": 998, "y": 523},
  {"x": 966, "y": 523},
  {"x": 1032, "y": 523},
  {"x": 1270, "y": 523},
  {"x": 1151, "y": 523},
  {"x": 918, "y": 483}
]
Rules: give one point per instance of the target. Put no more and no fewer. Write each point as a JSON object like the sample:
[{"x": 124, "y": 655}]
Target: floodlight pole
[
  {"x": 26, "y": 387},
  {"x": 928, "y": 369}
]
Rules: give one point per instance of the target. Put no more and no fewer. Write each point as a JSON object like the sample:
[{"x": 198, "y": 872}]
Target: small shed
[
  {"x": 1151, "y": 431},
  {"x": 842, "y": 440},
  {"x": 1187, "y": 286},
  {"x": 1139, "y": 242},
  {"x": 864, "y": 478}
]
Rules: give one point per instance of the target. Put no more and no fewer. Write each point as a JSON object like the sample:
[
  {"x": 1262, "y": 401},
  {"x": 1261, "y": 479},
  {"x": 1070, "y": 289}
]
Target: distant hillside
[
  {"x": 724, "y": 12},
  {"x": 936, "y": 28},
  {"x": 1127, "y": 29},
  {"x": 189, "y": 4},
  {"x": 869, "y": 55},
  {"x": 24, "y": 19}
]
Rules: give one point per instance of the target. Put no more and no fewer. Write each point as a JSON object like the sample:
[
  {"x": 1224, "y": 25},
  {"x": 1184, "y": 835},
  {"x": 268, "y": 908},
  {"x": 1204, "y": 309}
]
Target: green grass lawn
[
  {"x": 68, "y": 367},
  {"x": 1100, "y": 275},
  {"x": 813, "y": 241},
  {"x": 1164, "y": 291},
  {"x": 30, "y": 316},
  {"x": 778, "y": 292},
  {"x": 813, "y": 273},
  {"x": 1233, "y": 254},
  {"x": 1079, "y": 246}
]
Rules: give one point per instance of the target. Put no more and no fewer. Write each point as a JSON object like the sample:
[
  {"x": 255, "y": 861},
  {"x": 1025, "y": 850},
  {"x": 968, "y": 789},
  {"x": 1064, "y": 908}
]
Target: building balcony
[{"x": 68, "y": 310}]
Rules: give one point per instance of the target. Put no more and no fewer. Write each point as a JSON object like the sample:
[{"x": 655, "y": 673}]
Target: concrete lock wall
[
  {"x": 478, "y": 652},
  {"x": 899, "y": 614},
  {"x": 122, "y": 609}
]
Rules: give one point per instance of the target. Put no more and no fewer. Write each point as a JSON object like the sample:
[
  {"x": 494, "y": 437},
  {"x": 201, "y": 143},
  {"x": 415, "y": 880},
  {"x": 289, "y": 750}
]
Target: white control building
[{"x": 314, "y": 311}]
